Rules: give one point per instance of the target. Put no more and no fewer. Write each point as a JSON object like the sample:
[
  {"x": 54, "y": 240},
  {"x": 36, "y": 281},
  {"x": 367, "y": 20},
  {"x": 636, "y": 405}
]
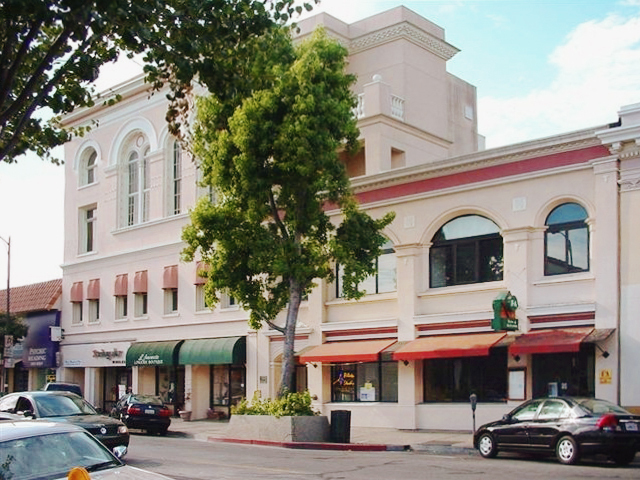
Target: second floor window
[
  {"x": 138, "y": 189},
  {"x": 566, "y": 240},
  {"x": 384, "y": 281},
  {"x": 176, "y": 179},
  {"x": 467, "y": 249},
  {"x": 88, "y": 218}
]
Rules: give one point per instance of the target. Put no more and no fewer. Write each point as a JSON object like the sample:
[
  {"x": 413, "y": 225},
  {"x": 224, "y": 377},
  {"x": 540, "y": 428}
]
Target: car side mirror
[
  {"x": 506, "y": 418},
  {"x": 119, "y": 451}
]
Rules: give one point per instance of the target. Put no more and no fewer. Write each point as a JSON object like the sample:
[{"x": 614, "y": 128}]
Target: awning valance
[
  {"x": 121, "y": 287},
  {"x": 76, "y": 292},
  {"x": 140, "y": 282},
  {"x": 151, "y": 354},
  {"x": 201, "y": 268},
  {"x": 170, "y": 277},
  {"x": 449, "y": 346},
  {"x": 342, "y": 352},
  {"x": 550, "y": 341},
  {"x": 93, "y": 290},
  {"x": 213, "y": 351}
]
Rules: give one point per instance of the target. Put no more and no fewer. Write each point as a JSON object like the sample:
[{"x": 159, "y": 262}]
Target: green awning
[
  {"x": 214, "y": 351},
  {"x": 151, "y": 354}
]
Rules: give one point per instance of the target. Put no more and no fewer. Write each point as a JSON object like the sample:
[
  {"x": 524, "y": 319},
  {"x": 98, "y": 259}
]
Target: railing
[{"x": 397, "y": 107}]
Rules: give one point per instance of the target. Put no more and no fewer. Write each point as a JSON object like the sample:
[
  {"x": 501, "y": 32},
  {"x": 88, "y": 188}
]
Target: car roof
[
  {"x": 41, "y": 393},
  {"x": 29, "y": 428}
]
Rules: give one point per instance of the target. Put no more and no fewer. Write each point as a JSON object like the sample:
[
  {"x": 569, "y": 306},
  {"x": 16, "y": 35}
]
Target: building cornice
[{"x": 403, "y": 31}]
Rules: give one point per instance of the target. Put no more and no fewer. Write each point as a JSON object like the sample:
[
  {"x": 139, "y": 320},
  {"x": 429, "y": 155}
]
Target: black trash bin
[{"x": 340, "y": 431}]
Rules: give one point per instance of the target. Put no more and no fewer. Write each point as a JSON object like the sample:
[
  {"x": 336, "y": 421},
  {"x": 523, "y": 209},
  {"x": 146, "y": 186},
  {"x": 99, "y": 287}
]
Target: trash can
[{"x": 340, "y": 429}]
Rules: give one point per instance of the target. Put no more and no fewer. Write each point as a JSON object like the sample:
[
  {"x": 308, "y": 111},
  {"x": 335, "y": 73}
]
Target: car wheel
[
  {"x": 163, "y": 431},
  {"x": 623, "y": 457},
  {"x": 487, "y": 445},
  {"x": 567, "y": 450}
]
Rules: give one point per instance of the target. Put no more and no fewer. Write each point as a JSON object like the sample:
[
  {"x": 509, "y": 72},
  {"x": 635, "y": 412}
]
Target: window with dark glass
[
  {"x": 384, "y": 281},
  {"x": 454, "y": 379},
  {"x": 567, "y": 373},
  {"x": 566, "y": 240},
  {"x": 467, "y": 249},
  {"x": 364, "y": 382}
]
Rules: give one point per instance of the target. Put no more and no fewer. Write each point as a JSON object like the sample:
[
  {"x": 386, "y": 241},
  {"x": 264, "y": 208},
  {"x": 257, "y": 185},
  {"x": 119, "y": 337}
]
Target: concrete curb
[{"x": 359, "y": 447}]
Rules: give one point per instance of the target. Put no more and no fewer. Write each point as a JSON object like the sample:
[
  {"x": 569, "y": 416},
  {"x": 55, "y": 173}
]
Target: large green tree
[
  {"x": 273, "y": 162},
  {"x": 51, "y": 51}
]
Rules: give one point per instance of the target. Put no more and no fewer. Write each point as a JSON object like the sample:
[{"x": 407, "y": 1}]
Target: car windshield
[
  {"x": 57, "y": 453},
  {"x": 147, "y": 399},
  {"x": 600, "y": 407},
  {"x": 62, "y": 406}
]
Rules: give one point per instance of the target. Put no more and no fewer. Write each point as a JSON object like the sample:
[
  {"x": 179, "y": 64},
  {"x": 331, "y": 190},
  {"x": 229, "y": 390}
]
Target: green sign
[{"x": 504, "y": 312}]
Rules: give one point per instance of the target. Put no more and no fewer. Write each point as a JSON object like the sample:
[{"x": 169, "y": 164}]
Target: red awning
[
  {"x": 200, "y": 268},
  {"x": 93, "y": 290},
  {"x": 140, "y": 282},
  {"x": 76, "y": 292},
  {"x": 121, "y": 288},
  {"x": 170, "y": 277},
  {"x": 550, "y": 341},
  {"x": 449, "y": 346},
  {"x": 341, "y": 352}
]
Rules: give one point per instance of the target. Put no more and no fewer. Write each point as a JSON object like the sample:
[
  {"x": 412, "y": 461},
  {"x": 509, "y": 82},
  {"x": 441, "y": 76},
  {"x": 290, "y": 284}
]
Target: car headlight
[{"x": 122, "y": 429}]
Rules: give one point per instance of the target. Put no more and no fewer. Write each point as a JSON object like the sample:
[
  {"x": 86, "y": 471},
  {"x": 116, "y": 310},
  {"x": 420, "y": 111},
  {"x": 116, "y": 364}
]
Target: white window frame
[
  {"x": 136, "y": 185},
  {"x": 140, "y": 304},
  {"x": 88, "y": 167},
  {"x": 93, "y": 306},
  {"x": 175, "y": 180},
  {"x": 88, "y": 223},
  {"x": 76, "y": 313},
  {"x": 122, "y": 307},
  {"x": 171, "y": 301}
]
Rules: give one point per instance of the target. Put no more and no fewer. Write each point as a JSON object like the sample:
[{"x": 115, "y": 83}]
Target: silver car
[{"x": 39, "y": 450}]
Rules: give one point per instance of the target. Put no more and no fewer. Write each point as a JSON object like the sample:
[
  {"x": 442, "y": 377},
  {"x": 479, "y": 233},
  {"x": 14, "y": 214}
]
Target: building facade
[
  {"x": 31, "y": 362},
  {"x": 508, "y": 273}
]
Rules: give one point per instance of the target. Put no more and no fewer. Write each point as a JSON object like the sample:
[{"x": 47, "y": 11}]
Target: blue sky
[{"x": 541, "y": 68}]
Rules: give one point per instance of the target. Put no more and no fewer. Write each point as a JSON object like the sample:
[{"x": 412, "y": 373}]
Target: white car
[{"x": 41, "y": 450}]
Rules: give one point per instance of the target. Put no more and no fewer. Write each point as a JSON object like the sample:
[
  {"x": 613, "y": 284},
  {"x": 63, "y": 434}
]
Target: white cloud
[{"x": 598, "y": 71}]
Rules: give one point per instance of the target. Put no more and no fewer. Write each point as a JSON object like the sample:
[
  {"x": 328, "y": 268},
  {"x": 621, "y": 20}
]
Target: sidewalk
[{"x": 362, "y": 438}]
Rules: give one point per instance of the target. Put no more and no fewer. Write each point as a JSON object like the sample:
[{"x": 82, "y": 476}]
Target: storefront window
[
  {"x": 454, "y": 379},
  {"x": 364, "y": 382},
  {"x": 565, "y": 373}
]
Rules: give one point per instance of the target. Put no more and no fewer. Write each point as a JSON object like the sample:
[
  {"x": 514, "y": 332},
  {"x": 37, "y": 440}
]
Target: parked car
[
  {"x": 50, "y": 450},
  {"x": 146, "y": 412},
  {"x": 67, "y": 407},
  {"x": 569, "y": 427},
  {"x": 63, "y": 387}
]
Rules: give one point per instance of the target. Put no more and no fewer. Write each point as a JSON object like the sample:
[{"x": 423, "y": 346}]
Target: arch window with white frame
[
  {"x": 88, "y": 167},
  {"x": 137, "y": 190},
  {"x": 385, "y": 279},
  {"x": 566, "y": 241},
  {"x": 466, "y": 250}
]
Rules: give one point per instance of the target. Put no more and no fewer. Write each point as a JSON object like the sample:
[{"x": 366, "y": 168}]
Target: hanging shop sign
[{"x": 504, "y": 312}]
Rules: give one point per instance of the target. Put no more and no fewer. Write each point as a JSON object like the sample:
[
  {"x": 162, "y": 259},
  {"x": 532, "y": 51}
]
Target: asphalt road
[{"x": 183, "y": 458}]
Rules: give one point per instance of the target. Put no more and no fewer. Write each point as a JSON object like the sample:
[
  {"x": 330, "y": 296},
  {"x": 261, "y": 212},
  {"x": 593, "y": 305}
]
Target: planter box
[{"x": 283, "y": 429}]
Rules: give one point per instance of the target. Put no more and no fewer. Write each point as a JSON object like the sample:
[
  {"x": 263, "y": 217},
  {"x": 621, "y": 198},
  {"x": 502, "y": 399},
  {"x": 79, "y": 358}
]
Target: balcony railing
[{"x": 396, "y": 108}]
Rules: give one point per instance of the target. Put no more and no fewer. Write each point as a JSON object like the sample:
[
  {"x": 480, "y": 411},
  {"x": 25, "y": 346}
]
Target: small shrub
[{"x": 289, "y": 405}]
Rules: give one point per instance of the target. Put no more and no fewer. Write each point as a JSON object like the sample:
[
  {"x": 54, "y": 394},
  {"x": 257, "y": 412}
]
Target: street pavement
[{"x": 362, "y": 438}]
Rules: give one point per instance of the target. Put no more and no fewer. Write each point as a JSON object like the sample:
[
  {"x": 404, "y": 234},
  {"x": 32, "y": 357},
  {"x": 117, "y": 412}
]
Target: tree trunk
[{"x": 288, "y": 363}]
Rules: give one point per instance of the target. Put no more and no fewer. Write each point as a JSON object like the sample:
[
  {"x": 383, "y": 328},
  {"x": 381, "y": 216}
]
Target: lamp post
[{"x": 8, "y": 311}]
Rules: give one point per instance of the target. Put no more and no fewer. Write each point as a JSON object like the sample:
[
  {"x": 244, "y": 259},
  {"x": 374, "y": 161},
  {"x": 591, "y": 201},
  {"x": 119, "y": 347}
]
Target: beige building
[{"x": 542, "y": 230}]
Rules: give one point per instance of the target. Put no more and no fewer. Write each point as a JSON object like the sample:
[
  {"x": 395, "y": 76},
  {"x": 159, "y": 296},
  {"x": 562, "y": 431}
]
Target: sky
[{"x": 540, "y": 67}]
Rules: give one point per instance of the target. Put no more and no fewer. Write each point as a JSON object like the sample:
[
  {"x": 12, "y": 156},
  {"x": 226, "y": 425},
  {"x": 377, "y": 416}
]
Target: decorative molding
[{"x": 404, "y": 31}]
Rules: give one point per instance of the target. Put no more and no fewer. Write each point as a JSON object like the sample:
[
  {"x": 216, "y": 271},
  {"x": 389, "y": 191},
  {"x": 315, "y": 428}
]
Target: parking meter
[{"x": 473, "y": 398}]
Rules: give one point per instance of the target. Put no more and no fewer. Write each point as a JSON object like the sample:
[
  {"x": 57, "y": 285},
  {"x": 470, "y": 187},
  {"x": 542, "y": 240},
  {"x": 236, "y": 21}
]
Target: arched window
[
  {"x": 136, "y": 180},
  {"x": 467, "y": 249},
  {"x": 566, "y": 241},
  {"x": 384, "y": 281},
  {"x": 88, "y": 167}
]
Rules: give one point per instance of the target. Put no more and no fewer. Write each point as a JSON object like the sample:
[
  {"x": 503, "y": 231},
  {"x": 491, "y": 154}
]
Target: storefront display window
[
  {"x": 565, "y": 373},
  {"x": 454, "y": 379},
  {"x": 364, "y": 382}
]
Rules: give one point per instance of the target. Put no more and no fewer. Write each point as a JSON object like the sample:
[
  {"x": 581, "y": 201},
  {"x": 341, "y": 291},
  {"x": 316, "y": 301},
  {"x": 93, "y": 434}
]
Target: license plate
[
  {"x": 150, "y": 411},
  {"x": 631, "y": 427}
]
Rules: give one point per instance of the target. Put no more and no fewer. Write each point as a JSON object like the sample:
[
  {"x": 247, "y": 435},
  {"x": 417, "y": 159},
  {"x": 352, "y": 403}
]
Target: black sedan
[
  {"x": 569, "y": 427},
  {"x": 146, "y": 412},
  {"x": 67, "y": 407}
]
